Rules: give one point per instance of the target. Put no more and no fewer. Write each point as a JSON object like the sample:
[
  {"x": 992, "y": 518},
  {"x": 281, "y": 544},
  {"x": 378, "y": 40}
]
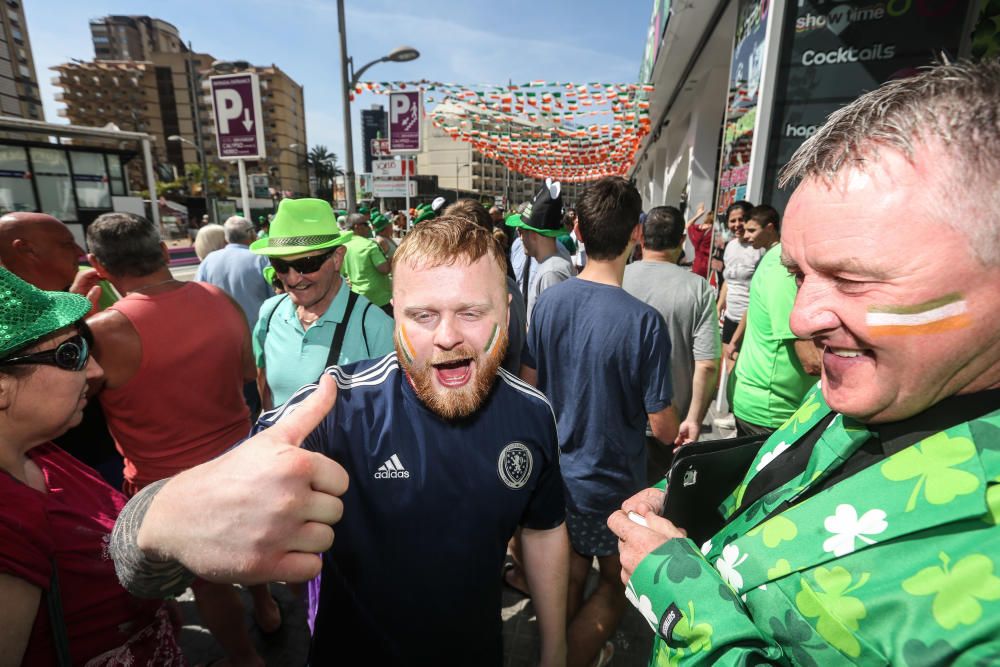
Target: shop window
[{"x": 55, "y": 190}]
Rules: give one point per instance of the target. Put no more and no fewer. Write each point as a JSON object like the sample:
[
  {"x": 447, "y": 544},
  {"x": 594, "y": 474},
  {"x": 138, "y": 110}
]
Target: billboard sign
[
  {"x": 392, "y": 168},
  {"x": 405, "y": 116},
  {"x": 386, "y": 188},
  {"x": 239, "y": 124}
]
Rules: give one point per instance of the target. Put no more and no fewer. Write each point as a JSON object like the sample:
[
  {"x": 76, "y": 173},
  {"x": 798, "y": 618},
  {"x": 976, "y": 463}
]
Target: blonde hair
[
  {"x": 447, "y": 239},
  {"x": 208, "y": 239}
]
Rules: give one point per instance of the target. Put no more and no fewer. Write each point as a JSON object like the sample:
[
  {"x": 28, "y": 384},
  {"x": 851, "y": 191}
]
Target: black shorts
[{"x": 728, "y": 329}]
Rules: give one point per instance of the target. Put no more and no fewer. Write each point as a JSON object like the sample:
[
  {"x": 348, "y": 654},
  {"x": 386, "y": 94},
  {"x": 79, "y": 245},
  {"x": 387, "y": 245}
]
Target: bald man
[{"x": 41, "y": 250}]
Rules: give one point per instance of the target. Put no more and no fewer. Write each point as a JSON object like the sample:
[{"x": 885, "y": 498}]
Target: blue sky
[{"x": 470, "y": 41}]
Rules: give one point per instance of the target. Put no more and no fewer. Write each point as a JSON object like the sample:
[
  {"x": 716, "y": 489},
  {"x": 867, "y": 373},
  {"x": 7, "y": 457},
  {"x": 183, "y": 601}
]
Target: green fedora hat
[
  {"x": 301, "y": 225},
  {"x": 28, "y": 313}
]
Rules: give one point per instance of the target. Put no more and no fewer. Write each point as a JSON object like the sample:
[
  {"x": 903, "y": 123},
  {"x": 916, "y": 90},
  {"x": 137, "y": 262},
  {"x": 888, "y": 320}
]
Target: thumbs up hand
[{"x": 261, "y": 512}]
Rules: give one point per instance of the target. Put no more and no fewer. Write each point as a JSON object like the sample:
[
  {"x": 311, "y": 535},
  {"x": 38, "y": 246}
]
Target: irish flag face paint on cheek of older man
[{"x": 946, "y": 313}]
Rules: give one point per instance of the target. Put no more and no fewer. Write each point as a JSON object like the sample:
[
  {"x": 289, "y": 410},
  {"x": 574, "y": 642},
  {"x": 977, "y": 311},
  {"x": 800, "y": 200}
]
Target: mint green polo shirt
[
  {"x": 362, "y": 256},
  {"x": 294, "y": 357},
  {"x": 770, "y": 383}
]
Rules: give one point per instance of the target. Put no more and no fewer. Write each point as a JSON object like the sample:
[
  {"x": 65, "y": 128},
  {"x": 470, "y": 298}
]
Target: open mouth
[{"x": 454, "y": 373}]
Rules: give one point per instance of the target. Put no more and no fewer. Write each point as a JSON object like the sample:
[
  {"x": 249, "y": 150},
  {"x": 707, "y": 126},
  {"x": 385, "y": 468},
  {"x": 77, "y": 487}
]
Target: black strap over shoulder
[
  {"x": 338, "y": 336},
  {"x": 57, "y": 622}
]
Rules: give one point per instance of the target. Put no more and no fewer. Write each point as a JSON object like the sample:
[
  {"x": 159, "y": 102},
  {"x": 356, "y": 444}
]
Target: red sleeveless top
[{"x": 184, "y": 405}]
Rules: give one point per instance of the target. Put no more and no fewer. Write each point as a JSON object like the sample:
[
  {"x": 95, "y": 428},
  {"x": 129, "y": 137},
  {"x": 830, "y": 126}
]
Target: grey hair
[
  {"x": 126, "y": 244},
  {"x": 356, "y": 219},
  {"x": 953, "y": 104},
  {"x": 238, "y": 230}
]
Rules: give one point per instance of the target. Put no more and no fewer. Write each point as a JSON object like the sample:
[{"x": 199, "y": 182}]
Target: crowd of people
[{"x": 496, "y": 398}]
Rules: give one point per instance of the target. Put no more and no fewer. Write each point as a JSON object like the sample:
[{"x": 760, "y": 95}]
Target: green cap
[
  {"x": 379, "y": 221},
  {"x": 28, "y": 313},
  {"x": 301, "y": 225}
]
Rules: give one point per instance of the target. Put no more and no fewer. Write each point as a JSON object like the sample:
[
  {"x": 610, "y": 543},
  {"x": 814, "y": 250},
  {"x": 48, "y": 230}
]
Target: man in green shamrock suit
[{"x": 866, "y": 530}]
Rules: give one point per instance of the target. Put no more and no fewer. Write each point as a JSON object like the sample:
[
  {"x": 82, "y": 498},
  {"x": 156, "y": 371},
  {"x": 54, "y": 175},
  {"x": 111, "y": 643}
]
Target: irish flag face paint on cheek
[
  {"x": 404, "y": 343},
  {"x": 492, "y": 342},
  {"x": 946, "y": 313}
]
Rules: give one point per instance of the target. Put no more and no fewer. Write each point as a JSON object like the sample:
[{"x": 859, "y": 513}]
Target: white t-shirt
[{"x": 740, "y": 261}]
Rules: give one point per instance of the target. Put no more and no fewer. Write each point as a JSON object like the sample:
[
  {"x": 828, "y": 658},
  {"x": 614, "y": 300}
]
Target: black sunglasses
[
  {"x": 304, "y": 265},
  {"x": 70, "y": 355}
]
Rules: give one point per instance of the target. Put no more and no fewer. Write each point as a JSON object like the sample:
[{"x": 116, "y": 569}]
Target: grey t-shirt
[
  {"x": 687, "y": 303},
  {"x": 740, "y": 261},
  {"x": 551, "y": 272}
]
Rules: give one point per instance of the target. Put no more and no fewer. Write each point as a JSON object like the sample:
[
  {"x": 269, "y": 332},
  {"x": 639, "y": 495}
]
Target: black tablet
[{"x": 701, "y": 477}]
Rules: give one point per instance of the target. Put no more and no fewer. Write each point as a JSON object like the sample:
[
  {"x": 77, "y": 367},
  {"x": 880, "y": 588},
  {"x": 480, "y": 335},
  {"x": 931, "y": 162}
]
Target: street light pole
[
  {"x": 457, "y": 167},
  {"x": 345, "y": 80},
  {"x": 348, "y": 80},
  {"x": 196, "y": 111}
]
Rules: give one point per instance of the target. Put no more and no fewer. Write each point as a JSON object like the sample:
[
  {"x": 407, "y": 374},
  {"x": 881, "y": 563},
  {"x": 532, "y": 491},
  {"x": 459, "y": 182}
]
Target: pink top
[
  {"x": 184, "y": 405},
  {"x": 70, "y": 525}
]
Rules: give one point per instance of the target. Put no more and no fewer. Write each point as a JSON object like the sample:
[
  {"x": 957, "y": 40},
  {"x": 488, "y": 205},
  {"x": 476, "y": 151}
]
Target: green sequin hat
[
  {"x": 28, "y": 313},
  {"x": 301, "y": 225}
]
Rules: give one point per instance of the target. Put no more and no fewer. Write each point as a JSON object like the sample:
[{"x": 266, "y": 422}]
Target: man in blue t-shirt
[
  {"x": 440, "y": 478},
  {"x": 602, "y": 357}
]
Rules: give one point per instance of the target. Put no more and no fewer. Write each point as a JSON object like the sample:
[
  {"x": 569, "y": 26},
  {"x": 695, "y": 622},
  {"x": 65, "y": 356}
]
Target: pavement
[{"x": 288, "y": 647}]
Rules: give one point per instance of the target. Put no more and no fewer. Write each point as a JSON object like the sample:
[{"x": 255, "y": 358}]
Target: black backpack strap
[
  {"x": 57, "y": 623},
  {"x": 270, "y": 316},
  {"x": 364, "y": 331},
  {"x": 338, "y": 336}
]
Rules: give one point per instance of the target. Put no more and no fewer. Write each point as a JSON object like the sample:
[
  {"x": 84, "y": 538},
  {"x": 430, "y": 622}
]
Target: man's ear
[
  {"x": 8, "y": 388},
  {"x": 165, "y": 251},
  {"x": 21, "y": 247},
  {"x": 637, "y": 234},
  {"x": 102, "y": 271}
]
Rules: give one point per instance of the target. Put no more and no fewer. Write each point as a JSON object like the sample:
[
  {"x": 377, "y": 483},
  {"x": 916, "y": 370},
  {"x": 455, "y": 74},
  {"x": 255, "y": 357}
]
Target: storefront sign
[
  {"x": 741, "y": 109},
  {"x": 833, "y": 52}
]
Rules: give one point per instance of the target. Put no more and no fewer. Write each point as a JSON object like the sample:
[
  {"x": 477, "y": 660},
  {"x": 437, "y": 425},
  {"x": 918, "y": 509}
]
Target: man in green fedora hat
[
  {"x": 539, "y": 231},
  {"x": 296, "y": 332}
]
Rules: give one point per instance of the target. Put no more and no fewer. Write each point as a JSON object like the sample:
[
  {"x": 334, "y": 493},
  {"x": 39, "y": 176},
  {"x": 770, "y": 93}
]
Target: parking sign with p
[
  {"x": 239, "y": 124},
  {"x": 405, "y": 116}
]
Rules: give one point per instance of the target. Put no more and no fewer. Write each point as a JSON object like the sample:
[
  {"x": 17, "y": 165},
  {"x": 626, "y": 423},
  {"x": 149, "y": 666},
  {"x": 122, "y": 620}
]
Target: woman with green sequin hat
[{"x": 60, "y": 593}]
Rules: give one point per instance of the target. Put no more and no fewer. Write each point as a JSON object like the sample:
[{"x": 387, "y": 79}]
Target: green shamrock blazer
[{"x": 897, "y": 564}]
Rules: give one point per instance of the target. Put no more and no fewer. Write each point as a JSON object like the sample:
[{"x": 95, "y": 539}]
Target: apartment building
[
  {"x": 18, "y": 80},
  {"x": 153, "y": 83}
]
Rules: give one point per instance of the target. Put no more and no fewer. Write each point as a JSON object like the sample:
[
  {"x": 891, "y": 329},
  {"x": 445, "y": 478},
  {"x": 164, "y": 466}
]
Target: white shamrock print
[
  {"x": 706, "y": 547},
  {"x": 846, "y": 527},
  {"x": 643, "y": 604},
  {"x": 771, "y": 455},
  {"x": 727, "y": 565}
]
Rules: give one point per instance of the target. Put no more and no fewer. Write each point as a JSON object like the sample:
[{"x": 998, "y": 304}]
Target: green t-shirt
[
  {"x": 770, "y": 382},
  {"x": 363, "y": 255}
]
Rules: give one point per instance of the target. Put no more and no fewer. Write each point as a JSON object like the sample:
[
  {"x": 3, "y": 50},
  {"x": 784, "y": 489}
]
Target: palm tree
[{"x": 324, "y": 166}]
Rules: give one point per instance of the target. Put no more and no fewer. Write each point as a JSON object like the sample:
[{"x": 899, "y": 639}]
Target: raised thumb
[{"x": 299, "y": 422}]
